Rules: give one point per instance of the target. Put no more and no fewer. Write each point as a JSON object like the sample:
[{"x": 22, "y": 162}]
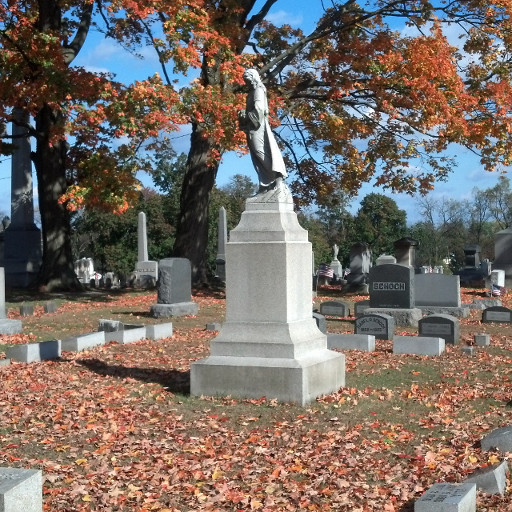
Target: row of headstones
[
  {"x": 48, "y": 307},
  {"x": 108, "y": 331},
  {"x": 22, "y": 489}
]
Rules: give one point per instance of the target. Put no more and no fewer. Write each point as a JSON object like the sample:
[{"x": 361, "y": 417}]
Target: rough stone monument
[
  {"x": 146, "y": 270},
  {"x": 22, "y": 239},
  {"x": 269, "y": 344}
]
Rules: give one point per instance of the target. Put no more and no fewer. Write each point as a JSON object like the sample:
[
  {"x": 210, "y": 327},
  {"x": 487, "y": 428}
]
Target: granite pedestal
[{"x": 269, "y": 344}]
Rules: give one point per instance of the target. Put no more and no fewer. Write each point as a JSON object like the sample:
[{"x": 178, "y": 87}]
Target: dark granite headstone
[
  {"x": 497, "y": 314},
  {"x": 440, "y": 326},
  {"x": 379, "y": 325},
  {"x": 334, "y": 308},
  {"x": 391, "y": 286}
]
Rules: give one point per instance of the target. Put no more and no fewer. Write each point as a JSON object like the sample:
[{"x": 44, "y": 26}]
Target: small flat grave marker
[
  {"x": 334, "y": 308},
  {"x": 380, "y": 325},
  {"x": 440, "y": 326},
  {"x": 448, "y": 498},
  {"x": 497, "y": 314}
]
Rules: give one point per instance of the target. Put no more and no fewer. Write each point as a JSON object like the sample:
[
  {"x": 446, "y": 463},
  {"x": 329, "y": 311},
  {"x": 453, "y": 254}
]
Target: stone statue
[
  {"x": 335, "y": 250},
  {"x": 265, "y": 153}
]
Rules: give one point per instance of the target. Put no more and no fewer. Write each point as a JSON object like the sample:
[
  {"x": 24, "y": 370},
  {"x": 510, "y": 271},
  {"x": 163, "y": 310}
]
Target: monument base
[
  {"x": 22, "y": 256},
  {"x": 458, "y": 312},
  {"x": 10, "y": 326},
  {"x": 402, "y": 317},
  {"x": 176, "y": 309},
  {"x": 300, "y": 380}
]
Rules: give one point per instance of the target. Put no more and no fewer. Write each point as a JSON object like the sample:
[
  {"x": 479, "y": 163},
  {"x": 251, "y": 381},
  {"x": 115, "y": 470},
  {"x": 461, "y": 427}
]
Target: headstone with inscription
[
  {"x": 334, "y": 308},
  {"x": 381, "y": 326},
  {"x": 440, "y": 326},
  {"x": 391, "y": 286},
  {"x": 497, "y": 314},
  {"x": 445, "y": 497},
  {"x": 21, "y": 490}
]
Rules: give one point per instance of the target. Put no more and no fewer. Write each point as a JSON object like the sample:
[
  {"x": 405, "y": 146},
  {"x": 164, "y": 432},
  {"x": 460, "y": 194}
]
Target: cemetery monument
[
  {"x": 146, "y": 270},
  {"x": 269, "y": 344}
]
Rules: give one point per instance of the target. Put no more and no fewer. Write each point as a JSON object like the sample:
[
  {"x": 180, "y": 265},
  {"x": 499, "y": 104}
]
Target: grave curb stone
[
  {"x": 83, "y": 342},
  {"x": 464, "y": 499},
  {"x": 500, "y": 438},
  {"x": 491, "y": 479},
  {"x": 8, "y": 326},
  {"x": 482, "y": 339},
  {"x": 21, "y": 490},
  {"x": 126, "y": 336},
  {"x": 159, "y": 331},
  {"x": 418, "y": 345},
  {"x": 107, "y": 325},
  {"x": 364, "y": 342},
  {"x": 34, "y": 352}
]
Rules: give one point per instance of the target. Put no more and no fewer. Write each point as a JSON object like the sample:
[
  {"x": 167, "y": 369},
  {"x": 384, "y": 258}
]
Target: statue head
[{"x": 251, "y": 77}]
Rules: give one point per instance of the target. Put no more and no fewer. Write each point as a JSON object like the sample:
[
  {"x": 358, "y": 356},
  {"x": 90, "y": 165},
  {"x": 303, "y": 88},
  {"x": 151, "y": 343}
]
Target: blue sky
[{"x": 104, "y": 55}]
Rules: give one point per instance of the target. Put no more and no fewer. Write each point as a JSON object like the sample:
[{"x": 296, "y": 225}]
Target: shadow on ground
[{"x": 174, "y": 381}]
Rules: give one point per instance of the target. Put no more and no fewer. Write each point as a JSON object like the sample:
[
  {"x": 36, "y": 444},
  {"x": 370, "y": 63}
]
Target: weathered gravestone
[
  {"x": 7, "y": 326},
  {"x": 321, "y": 322},
  {"x": 50, "y": 307},
  {"x": 497, "y": 314},
  {"x": 500, "y": 439},
  {"x": 269, "y": 344},
  {"x": 380, "y": 325},
  {"x": 439, "y": 293},
  {"x": 391, "y": 286},
  {"x": 503, "y": 251},
  {"x": 482, "y": 339},
  {"x": 440, "y": 326},
  {"x": 360, "y": 307},
  {"x": 443, "y": 497},
  {"x": 174, "y": 289},
  {"x": 491, "y": 479},
  {"x": 334, "y": 308},
  {"x": 360, "y": 263},
  {"x": 21, "y": 490}
]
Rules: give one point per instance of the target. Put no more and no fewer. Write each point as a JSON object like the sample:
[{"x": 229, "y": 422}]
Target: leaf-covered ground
[{"x": 114, "y": 428}]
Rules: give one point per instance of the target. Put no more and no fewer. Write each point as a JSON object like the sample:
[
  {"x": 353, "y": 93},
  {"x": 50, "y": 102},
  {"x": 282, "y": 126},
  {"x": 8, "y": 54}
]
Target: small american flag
[
  {"x": 495, "y": 290},
  {"x": 325, "y": 271}
]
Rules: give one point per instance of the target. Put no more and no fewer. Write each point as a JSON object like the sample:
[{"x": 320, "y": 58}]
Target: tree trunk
[
  {"x": 192, "y": 230},
  {"x": 57, "y": 271}
]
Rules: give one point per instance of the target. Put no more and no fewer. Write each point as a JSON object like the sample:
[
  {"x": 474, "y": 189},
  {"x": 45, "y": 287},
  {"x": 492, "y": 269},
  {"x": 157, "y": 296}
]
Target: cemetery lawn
[{"x": 114, "y": 428}]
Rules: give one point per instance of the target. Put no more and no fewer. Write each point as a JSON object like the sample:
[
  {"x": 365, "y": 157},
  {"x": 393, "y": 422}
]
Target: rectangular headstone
[
  {"x": 83, "y": 342},
  {"x": 391, "y": 286},
  {"x": 437, "y": 290},
  {"x": 442, "y": 326},
  {"x": 174, "y": 281},
  {"x": 21, "y": 490},
  {"x": 32, "y": 352},
  {"x": 363, "y": 342},
  {"x": 50, "y": 307},
  {"x": 360, "y": 307},
  {"x": 482, "y": 339},
  {"x": 26, "y": 309},
  {"x": 497, "y": 314},
  {"x": 444, "y": 497},
  {"x": 334, "y": 308},
  {"x": 418, "y": 345},
  {"x": 379, "y": 325}
]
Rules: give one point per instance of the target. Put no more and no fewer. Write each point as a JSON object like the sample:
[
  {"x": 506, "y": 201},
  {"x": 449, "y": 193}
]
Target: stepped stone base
[
  {"x": 458, "y": 312},
  {"x": 176, "y": 309}
]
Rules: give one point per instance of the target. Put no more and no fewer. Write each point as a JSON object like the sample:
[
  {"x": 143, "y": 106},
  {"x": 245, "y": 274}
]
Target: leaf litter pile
[{"x": 114, "y": 428}]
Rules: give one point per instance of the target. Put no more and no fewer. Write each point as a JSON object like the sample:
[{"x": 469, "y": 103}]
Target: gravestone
[
  {"x": 269, "y": 344},
  {"x": 321, "y": 322},
  {"x": 503, "y": 251},
  {"x": 360, "y": 307},
  {"x": 26, "y": 309},
  {"x": 146, "y": 270},
  {"x": 437, "y": 290},
  {"x": 499, "y": 439},
  {"x": 440, "y": 326},
  {"x": 21, "y": 490},
  {"x": 491, "y": 479},
  {"x": 7, "y": 326},
  {"x": 50, "y": 307},
  {"x": 381, "y": 326},
  {"x": 336, "y": 264},
  {"x": 84, "y": 270},
  {"x": 418, "y": 345},
  {"x": 364, "y": 342},
  {"x": 174, "y": 289},
  {"x": 22, "y": 239},
  {"x": 482, "y": 339},
  {"x": 405, "y": 251},
  {"x": 360, "y": 263},
  {"x": 443, "y": 497},
  {"x": 472, "y": 256},
  {"x": 472, "y": 271},
  {"x": 391, "y": 287},
  {"x": 497, "y": 314},
  {"x": 222, "y": 238},
  {"x": 385, "y": 259},
  {"x": 334, "y": 308}
]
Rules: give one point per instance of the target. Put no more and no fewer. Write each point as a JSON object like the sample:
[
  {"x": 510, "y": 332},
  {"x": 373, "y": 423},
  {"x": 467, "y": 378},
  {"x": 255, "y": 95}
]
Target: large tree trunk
[
  {"x": 57, "y": 271},
  {"x": 192, "y": 230}
]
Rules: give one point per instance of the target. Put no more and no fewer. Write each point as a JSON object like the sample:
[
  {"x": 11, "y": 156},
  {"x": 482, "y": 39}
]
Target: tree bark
[
  {"x": 57, "y": 271},
  {"x": 192, "y": 229}
]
